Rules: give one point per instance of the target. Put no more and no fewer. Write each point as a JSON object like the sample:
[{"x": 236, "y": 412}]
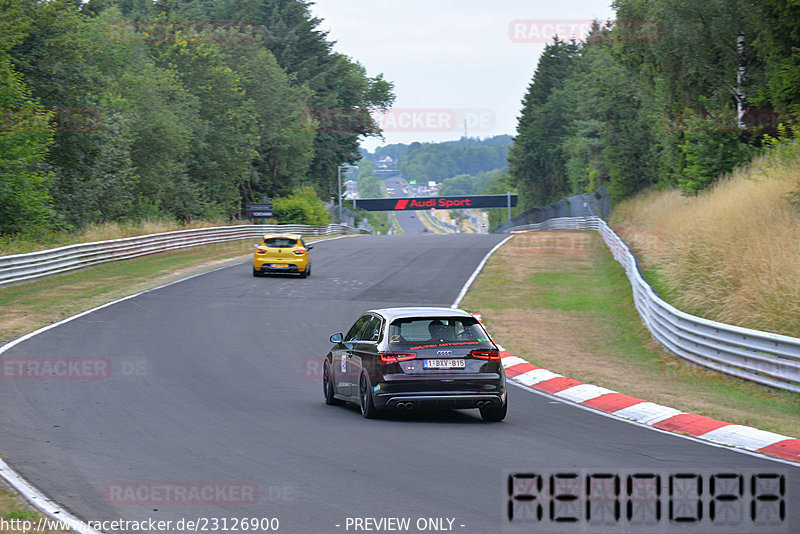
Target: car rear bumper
[
  {"x": 464, "y": 392},
  {"x": 290, "y": 268},
  {"x": 456, "y": 402}
]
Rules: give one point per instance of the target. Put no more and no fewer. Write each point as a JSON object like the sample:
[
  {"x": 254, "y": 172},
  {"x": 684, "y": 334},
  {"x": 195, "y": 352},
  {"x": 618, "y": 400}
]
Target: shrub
[{"x": 301, "y": 207}]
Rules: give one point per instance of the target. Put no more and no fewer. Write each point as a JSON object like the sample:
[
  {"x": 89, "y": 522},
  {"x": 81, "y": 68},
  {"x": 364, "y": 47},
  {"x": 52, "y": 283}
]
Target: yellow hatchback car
[{"x": 282, "y": 253}]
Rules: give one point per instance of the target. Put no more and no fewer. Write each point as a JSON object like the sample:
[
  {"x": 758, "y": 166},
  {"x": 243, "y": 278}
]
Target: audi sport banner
[{"x": 438, "y": 203}]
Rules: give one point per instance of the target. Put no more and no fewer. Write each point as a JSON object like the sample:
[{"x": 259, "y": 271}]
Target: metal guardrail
[
  {"x": 583, "y": 205},
  {"x": 33, "y": 265},
  {"x": 763, "y": 357}
]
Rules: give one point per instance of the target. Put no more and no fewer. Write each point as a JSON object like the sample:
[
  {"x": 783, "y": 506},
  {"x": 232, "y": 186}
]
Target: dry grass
[
  {"x": 560, "y": 301},
  {"x": 731, "y": 254}
]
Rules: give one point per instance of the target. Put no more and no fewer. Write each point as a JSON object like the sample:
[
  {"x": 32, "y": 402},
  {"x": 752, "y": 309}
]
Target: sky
[{"x": 455, "y": 64}]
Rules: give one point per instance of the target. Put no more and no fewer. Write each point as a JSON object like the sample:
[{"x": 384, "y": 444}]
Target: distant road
[{"x": 408, "y": 220}]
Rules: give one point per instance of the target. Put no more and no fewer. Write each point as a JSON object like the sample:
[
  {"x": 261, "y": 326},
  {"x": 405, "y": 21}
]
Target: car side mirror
[
  {"x": 309, "y": 247},
  {"x": 337, "y": 338}
]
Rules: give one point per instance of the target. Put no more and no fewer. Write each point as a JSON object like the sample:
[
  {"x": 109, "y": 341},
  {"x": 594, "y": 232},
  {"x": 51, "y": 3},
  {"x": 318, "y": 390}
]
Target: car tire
[
  {"x": 327, "y": 386},
  {"x": 306, "y": 273},
  {"x": 494, "y": 414},
  {"x": 256, "y": 272},
  {"x": 368, "y": 409}
]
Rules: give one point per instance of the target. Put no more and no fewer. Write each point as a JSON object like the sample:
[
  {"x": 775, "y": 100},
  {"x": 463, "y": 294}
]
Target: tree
[
  {"x": 536, "y": 164},
  {"x": 285, "y": 131},
  {"x": 777, "y": 45},
  {"x": 25, "y": 135},
  {"x": 501, "y": 184},
  {"x": 226, "y": 136},
  {"x": 340, "y": 87}
]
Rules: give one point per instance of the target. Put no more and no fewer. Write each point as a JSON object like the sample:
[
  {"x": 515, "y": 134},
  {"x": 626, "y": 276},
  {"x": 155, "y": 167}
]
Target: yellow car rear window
[{"x": 280, "y": 242}]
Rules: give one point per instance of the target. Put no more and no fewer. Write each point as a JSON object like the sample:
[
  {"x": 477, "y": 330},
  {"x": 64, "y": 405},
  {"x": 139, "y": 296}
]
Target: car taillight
[
  {"x": 486, "y": 354},
  {"x": 300, "y": 252},
  {"x": 261, "y": 250},
  {"x": 394, "y": 357}
]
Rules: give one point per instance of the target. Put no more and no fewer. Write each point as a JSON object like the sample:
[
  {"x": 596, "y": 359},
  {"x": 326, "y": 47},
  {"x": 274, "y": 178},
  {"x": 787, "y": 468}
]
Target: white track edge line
[
  {"x": 736, "y": 448},
  {"x": 25, "y": 488}
]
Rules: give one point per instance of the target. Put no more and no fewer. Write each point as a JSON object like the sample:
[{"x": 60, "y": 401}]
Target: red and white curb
[
  {"x": 649, "y": 413},
  {"x": 641, "y": 411}
]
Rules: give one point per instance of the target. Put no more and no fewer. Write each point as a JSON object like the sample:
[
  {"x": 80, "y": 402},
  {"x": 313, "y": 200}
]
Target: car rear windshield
[
  {"x": 280, "y": 242},
  {"x": 438, "y": 331}
]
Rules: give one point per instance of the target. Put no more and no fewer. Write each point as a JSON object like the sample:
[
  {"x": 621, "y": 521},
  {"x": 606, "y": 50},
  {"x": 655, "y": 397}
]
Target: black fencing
[{"x": 587, "y": 204}]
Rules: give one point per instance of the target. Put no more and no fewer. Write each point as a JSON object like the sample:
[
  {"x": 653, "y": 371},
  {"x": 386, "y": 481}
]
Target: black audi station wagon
[{"x": 416, "y": 358}]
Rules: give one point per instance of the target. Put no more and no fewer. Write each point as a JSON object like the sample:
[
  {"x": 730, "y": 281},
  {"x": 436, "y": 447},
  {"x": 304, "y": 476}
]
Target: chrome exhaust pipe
[{"x": 400, "y": 405}]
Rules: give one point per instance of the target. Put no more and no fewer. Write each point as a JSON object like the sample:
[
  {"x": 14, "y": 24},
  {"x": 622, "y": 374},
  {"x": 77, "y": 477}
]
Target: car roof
[
  {"x": 420, "y": 311},
  {"x": 288, "y": 236}
]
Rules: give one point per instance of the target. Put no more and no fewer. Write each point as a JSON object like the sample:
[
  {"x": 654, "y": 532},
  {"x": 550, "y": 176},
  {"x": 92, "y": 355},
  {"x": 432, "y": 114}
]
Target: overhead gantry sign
[{"x": 439, "y": 203}]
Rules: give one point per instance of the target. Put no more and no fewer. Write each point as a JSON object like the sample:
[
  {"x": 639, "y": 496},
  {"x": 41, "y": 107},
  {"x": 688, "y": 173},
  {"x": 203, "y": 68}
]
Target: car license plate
[
  {"x": 444, "y": 364},
  {"x": 279, "y": 265}
]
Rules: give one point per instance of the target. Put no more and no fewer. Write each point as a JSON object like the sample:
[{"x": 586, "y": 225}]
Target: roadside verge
[{"x": 562, "y": 304}]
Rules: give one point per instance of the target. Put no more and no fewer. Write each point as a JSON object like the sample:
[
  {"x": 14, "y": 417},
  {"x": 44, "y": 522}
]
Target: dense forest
[
  {"x": 117, "y": 110},
  {"x": 674, "y": 92}
]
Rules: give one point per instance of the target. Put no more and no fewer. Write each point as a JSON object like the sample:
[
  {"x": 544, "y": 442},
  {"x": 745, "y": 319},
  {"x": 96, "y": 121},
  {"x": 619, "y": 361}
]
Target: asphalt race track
[
  {"x": 216, "y": 381},
  {"x": 408, "y": 220}
]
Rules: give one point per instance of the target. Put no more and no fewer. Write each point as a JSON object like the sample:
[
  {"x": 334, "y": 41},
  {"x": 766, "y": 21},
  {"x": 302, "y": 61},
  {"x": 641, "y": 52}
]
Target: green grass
[
  {"x": 12, "y": 506},
  {"x": 573, "y": 291},
  {"x": 588, "y": 298}
]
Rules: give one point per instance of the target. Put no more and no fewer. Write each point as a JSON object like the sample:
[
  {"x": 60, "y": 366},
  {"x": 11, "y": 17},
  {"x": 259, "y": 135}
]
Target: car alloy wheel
[
  {"x": 368, "y": 409},
  {"x": 327, "y": 386}
]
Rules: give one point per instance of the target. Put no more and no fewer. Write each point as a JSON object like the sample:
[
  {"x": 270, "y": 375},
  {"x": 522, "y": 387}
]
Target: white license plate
[{"x": 444, "y": 364}]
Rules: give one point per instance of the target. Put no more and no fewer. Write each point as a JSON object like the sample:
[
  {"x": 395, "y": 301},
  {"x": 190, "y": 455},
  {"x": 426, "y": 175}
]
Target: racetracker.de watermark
[
  {"x": 411, "y": 120},
  {"x": 643, "y": 242},
  {"x": 164, "y": 493},
  {"x": 54, "y": 368},
  {"x": 727, "y": 120},
  {"x": 311, "y": 368},
  {"x": 545, "y": 30},
  {"x": 436, "y": 120}
]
